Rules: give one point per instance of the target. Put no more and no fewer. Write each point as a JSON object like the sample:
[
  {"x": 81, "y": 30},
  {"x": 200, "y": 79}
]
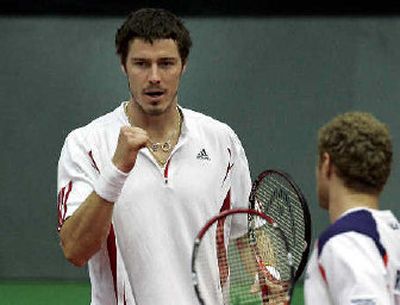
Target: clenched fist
[{"x": 130, "y": 141}]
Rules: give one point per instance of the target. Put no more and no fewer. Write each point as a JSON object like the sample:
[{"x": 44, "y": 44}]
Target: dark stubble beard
[
  {"x": 155, "y": 111},
  {"x": 152, "y": 112}
]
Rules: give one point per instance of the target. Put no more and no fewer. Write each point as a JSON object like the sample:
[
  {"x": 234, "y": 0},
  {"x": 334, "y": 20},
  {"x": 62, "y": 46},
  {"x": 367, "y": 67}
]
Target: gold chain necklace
[{"x": 155, "y": 147}]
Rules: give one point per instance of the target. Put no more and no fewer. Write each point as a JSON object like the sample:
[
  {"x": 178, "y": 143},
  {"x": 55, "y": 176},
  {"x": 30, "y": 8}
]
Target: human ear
[{"x": 326, "y": 164}]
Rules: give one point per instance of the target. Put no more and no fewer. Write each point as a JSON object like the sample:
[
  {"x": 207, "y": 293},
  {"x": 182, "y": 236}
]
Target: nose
[{"x": 154, "y": 77}]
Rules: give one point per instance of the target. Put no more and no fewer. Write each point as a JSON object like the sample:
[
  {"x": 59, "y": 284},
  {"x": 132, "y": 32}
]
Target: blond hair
[{"x": 360, "y": 147}]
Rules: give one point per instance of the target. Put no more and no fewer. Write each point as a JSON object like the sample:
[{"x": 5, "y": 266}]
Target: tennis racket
[
  {"x": 275, "y": 194},
  {"x": 253, "y": 267}
]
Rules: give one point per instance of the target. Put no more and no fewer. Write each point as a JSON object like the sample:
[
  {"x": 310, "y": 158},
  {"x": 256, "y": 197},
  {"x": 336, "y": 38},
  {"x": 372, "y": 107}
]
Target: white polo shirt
[
  {"x": 356, "y": 261},
  {"x": 160, "y": 210}
]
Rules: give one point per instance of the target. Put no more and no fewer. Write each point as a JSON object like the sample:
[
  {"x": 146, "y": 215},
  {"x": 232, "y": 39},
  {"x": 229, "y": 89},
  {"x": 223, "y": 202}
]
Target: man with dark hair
[
  {"x": 356, "y": 260},
  {"x": 151, "y": 171}
]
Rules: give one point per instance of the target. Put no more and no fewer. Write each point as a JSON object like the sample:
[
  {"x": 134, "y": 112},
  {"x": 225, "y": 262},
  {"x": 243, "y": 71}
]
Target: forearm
[{"x": 84, "y": 232}]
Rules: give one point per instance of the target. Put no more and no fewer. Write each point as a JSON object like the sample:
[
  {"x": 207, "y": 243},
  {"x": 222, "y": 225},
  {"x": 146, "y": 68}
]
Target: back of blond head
[{"x": 360, "y": 148}]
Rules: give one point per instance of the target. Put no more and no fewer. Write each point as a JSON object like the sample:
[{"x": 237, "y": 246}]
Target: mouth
[{"x": 154, "y": 93}]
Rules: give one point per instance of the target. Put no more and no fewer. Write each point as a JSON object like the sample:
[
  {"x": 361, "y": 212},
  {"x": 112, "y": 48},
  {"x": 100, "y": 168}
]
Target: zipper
[
  {"x": 166, "y": 171},
  {"x": 166, "y": 168}
]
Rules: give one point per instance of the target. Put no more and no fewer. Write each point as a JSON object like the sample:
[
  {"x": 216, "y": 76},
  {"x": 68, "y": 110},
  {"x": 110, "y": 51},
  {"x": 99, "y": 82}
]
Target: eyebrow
[{"x": 161, "y": 58}]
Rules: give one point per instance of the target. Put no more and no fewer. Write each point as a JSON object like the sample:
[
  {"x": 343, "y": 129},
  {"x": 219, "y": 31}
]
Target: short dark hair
[
  {"x": 360, "y": 147},
  {"x": 152, "y": 24}
]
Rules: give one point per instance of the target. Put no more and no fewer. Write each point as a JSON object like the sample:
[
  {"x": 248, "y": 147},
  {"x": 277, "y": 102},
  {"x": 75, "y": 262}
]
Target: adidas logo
[{"x": 202, "y": 155}]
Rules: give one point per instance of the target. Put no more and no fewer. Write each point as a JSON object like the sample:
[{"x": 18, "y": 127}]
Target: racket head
[
  {"x": 275, "y": 193},
  {"x": 254, "y": 265}
]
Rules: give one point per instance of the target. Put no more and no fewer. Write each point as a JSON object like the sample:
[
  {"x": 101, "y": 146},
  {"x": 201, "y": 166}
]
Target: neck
[
  {"x": 344, "y": 199},
  {"x": 159, "y": 126}
]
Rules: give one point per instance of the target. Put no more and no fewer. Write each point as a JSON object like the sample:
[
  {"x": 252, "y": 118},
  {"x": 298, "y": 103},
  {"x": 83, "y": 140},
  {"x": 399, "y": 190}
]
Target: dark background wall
[
  {"x": 202, "y": 7},
  {"x": 274, "y": 79}
]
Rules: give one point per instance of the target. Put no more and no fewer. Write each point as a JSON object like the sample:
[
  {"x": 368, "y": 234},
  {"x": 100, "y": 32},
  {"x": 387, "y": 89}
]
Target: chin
[
  {"x": 153, "y": 108},
  {"x": 323, "y": 200},
  {"x": 154, "y": 111},
  {"x": 323, "y": 203}
]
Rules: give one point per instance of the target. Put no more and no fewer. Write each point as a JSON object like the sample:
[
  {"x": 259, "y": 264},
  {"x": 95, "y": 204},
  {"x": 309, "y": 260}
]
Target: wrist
[
  {"x": 122, "y": 166},
  {"x": 110, "y": 182}
]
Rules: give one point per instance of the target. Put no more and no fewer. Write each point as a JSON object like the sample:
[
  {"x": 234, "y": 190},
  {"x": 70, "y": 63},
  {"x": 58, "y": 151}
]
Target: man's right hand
[{"x": 130, "y": 141}]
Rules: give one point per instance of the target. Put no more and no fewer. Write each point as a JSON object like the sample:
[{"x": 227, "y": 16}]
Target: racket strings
[
  {"x": 252, "y": 269},
  {"x": 277, "y": 198}
]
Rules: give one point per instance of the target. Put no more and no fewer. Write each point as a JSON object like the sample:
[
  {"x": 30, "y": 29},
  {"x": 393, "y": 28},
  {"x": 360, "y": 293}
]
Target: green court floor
[{"x": 65, "y": 293}]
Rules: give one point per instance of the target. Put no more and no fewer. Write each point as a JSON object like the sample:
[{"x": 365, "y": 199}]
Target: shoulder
[
  {"x": 207, "y": 123},
  {"x": 100, "y": 126},
  {"x": 203, "y": 119},
  {"x": 351, "y": 226}
]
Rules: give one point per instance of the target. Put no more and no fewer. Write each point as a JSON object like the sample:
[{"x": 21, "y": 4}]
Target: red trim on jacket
[
  {"x": 220, "y": 241},
  {"x": 112, "y": 255},
  {"x": 62, "y": 199}
]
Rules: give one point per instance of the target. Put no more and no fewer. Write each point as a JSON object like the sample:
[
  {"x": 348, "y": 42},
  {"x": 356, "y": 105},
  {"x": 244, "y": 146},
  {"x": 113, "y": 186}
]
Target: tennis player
[
  {"x": 136, "y": 184},
  {"x": 356, "y": 260}
]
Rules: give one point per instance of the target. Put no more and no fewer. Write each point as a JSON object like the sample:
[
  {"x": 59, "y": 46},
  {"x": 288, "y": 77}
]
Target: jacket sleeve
[
  {"x": 240, "y": 184},
  {"x": 77, "y": 171},
  {"x": 354, "y": 270}
]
